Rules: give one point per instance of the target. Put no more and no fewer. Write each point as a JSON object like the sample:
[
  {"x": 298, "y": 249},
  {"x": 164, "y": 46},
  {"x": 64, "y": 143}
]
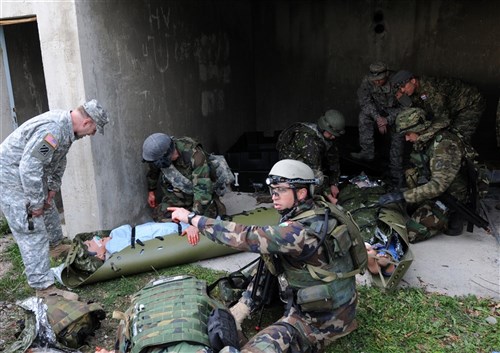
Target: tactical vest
[
  {"x": 167, "y": 311},
  {"x": 345, "y": 252}
]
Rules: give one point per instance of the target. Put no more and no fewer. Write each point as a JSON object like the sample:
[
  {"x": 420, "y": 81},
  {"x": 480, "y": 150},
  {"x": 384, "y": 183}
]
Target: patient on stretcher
[{"x": 123, "y": 236}]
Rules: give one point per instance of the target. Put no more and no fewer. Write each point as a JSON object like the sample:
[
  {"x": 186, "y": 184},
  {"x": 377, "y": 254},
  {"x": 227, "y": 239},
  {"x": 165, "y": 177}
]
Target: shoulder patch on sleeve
[
  {"x": 284, "y": 224},
  {"x": 45, "y": 148},
  {"x": 51, "y": 140}
]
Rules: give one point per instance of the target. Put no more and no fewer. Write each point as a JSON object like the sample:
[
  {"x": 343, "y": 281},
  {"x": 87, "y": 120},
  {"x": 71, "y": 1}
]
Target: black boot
[{"x": 455, "y": 224}]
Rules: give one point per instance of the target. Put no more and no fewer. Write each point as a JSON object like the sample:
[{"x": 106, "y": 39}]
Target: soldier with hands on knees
[
  {"x": 379, "y": 107},
  {"x": 315, "y": 145},
  {"x": 32, "y": 163},
  {"x": 321, "y": 307},
  {"x": 179, "y": 165},
  {"x": 439, "y": 168}
]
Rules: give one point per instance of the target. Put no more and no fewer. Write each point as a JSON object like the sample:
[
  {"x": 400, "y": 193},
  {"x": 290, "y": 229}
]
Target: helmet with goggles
[{"x": 294, "y": 173}]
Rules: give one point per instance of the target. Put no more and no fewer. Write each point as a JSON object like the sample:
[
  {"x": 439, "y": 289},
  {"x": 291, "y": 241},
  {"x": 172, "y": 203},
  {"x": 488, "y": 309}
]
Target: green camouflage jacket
[
  {"x": 439, "y": 167},
  {"x": 194, "y": 170},
  {"x": 444, "y": 98},
  {"x": 304, "y": 142}
]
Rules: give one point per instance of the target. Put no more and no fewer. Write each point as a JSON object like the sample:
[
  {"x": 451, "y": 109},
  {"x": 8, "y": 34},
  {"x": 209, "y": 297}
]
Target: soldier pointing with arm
[{"x": 321, "y": 308}]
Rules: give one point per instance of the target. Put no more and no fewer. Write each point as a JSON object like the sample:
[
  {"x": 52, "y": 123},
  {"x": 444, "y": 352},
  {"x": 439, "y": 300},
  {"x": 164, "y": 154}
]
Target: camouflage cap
[
  {"x": 97, "y": 113},
  {"x": 412, "y": 120},
  {"x": 401, "y": 77},
  {"x": 378, "y": 71}
]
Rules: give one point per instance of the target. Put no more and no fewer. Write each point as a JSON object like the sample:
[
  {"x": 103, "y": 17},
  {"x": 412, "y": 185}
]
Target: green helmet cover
[{"x": 333, "y": 121}]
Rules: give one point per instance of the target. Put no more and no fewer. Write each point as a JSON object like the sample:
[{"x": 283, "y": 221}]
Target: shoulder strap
[{"x": 360, "y": 258}]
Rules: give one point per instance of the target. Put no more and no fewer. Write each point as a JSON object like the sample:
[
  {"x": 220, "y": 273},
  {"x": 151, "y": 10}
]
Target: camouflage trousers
[
  {"x": 427, "y": 220},
  {"x": 179, "y": 199},
  {"x": 33, "y": 244},
  {"x": 467, "y": 120},
  {"x": 300, "y": 332},
  {"x": 367, "y": 128}
]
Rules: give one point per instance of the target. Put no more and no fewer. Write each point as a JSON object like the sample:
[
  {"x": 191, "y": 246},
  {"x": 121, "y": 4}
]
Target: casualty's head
[
  {"x": 378, "y": 73},
  {"x": 332, "y": 124},
  {"x": 159, "y": 149},
  {"x": 412, "y": 122},
  {"x": 290, "y": 182}
]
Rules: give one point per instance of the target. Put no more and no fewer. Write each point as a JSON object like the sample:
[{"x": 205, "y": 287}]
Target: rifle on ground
[{"x": 264, "y": 285}]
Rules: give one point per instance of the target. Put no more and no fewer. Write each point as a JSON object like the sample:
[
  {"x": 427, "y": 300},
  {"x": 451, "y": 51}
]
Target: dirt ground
[{"x": 12, "y": 316}]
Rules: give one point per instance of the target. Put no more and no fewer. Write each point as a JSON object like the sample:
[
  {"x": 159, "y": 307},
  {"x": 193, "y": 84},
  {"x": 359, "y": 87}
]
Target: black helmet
[{"x": 157, "y": 147}]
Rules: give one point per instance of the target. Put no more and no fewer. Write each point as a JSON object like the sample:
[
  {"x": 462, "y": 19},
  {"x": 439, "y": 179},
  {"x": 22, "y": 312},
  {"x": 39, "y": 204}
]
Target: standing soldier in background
[
  {"x": 32, "y": 163},
  {"x": 379, "y": 105},
  {"x": 180, "y": 166},
  {"x": 314, "y": 144},
  {"x": 447, "y": 103}
]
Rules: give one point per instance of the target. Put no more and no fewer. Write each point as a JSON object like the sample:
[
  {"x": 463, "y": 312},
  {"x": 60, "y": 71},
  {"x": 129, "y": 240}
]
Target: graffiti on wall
[{"x": 208, "y": 52}]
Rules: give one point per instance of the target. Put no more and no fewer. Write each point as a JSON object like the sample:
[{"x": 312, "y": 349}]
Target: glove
[{"x": 390, "y": 198}]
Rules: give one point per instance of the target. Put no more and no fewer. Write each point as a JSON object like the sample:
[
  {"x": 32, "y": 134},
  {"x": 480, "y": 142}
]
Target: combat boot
[
  {"x": 455, "y": 224},
  {"x": 53, "y": 290},
  {"x": 365, "y": 156}
]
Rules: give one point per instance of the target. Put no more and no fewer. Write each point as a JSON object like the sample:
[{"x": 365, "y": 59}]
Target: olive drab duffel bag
[{"x": 175, "y": 312}]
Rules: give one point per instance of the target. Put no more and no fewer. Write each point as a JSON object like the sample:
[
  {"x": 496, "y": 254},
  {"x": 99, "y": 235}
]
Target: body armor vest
[
  {"x": 167, "y": 311},
  {"x": 343, "y": 263}
]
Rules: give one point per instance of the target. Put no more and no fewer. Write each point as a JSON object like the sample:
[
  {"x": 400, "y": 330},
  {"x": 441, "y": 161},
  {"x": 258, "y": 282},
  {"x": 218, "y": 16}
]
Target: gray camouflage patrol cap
[
  {"x": 97, "y": 113},
  {"x": 401, "y": 77},
  {"x": 378, "y": 71}
]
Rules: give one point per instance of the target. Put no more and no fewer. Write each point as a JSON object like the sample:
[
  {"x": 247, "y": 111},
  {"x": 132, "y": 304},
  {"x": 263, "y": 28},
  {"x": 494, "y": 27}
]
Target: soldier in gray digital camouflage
[
  {"x": 315, "y": 145},
  {"x": 439, "y": 169},
  {"x": 315, "y": 251},
  {"x": 447, "y": 102},
  {"x": 182, "y": 169},
  {"x": 32, "y": 163},
  {"x": 379, "y": 107}
]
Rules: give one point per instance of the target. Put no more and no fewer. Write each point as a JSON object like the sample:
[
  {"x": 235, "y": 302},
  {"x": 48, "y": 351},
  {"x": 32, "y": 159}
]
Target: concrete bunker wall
[{"x": 215, "y": 69}]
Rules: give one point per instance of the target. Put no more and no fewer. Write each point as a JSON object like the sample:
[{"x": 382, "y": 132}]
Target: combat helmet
[
  {"x": 295, "y": 173},
  {"x": 158, "y": 147},
  {"x": 412, "y": 120},
  {"x": 333, "y": 121}
]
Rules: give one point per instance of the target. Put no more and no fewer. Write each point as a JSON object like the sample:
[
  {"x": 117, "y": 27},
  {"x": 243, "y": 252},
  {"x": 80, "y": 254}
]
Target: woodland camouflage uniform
[
  {"x": 186, "y": 183},
  {"x": 449, "y": 103},
  {"x": 305, "y": 142},
  {"x": 296, "y": 331},
  {"x": 439, "y": 168}
]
